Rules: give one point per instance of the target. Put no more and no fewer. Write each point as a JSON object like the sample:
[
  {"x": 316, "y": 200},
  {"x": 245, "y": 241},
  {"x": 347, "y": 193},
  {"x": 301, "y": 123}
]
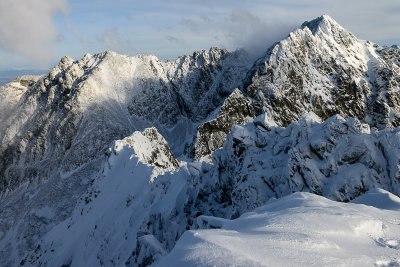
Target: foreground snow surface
[{"x": 302, "y": 229}]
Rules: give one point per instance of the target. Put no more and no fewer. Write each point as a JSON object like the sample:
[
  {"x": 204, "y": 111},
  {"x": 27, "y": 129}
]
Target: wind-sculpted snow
[
  {"x": 132, "y": 216},
  {"x": 298, "y": 230},
  {"x": 338, "y": 159}
]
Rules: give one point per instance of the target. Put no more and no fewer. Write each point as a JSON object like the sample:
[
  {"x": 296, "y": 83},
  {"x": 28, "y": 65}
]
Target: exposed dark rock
[{"x": 211, "y": 135}]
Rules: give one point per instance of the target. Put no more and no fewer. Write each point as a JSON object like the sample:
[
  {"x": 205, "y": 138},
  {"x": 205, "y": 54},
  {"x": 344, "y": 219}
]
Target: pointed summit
[
  {"x": 324, "y": 23},
  {"x": 326, "y": 28}
]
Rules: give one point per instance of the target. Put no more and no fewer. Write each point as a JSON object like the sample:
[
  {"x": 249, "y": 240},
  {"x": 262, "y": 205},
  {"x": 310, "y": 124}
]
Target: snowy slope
[
  {"x": 11, "y": 92},
  {"x": 107, "y": 221},
  {"x": 298, "y": 230}
]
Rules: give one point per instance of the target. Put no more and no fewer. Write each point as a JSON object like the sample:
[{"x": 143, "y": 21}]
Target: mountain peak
[{"x": 323, "y": 23}]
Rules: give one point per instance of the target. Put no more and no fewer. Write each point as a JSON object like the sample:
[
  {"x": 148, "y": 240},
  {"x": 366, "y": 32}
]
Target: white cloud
[
  {"x": 169, "y": 28},
  {"x": 248, "y": 31},
  {"x": 26, "y": 28},
  {"x": 115, "y": 41},
  {"x": 238, "y": 28},
  {"x": 111, "y": 38}
]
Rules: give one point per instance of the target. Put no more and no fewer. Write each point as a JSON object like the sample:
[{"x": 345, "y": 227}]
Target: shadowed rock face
[
  {"x": 323, "y": 68},
  {"x": 211, "y": 135},
  {"x": 192, "y": 86}
]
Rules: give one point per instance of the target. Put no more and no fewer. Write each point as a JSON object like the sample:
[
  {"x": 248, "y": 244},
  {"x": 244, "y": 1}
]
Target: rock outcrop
[
  {"x": 151, "y": 149},
  {"x": 211, "y": 135}
]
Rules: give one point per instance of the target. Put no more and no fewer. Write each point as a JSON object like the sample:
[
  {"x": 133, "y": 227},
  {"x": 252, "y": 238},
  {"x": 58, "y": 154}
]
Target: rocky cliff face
[
  {"x": 211, "y": 135},
  {"x": 309, "y": 116}
]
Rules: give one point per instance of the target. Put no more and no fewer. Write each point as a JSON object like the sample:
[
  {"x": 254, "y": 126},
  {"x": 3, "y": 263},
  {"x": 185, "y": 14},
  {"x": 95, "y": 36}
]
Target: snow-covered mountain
[
  {"x": 68, "y": 117},
  {"x": 322, "y": 67},
  {"x": 110, "y": 159}
]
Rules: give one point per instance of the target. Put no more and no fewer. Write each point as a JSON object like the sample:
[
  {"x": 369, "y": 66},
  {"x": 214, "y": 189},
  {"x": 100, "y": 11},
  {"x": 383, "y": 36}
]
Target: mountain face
[
  {"x": 67, "y": 119},
  {"x": 108, "y": 160},
  {"x": 129, "y": 216},
  {"x": 323, "y": 68}
]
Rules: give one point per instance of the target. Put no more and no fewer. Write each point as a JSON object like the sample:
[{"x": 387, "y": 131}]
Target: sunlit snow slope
[{"x": 299, "y": 230}]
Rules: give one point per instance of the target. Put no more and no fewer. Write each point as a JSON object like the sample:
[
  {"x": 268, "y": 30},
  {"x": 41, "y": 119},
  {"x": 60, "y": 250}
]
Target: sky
[{"x": 35, "y": 34}]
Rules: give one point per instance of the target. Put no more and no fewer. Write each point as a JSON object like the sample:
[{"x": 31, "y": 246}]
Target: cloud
[
  {"x": 112, "y": 38},
  {"x": 238, "y": 28},
  {"x": 26, "y": 28},
  {"x": 74, "y": 29},
  {"x": 173, "y": 39},
  {"x": 248, "y": 31},
  {"x": 170, "y": 28},
  {"x": 190, "y": 24}
]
